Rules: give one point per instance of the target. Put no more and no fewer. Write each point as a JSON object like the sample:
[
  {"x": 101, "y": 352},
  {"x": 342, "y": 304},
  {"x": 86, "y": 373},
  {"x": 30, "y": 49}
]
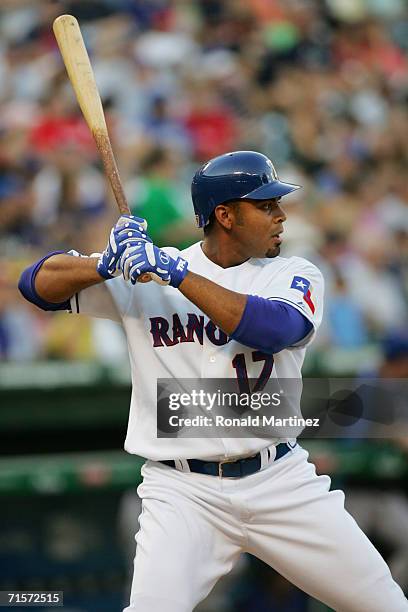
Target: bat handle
[{"x": 111, "y": 171}]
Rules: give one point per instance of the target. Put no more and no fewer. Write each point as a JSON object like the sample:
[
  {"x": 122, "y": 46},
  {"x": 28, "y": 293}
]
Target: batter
[{"x": 226, "y": 307}]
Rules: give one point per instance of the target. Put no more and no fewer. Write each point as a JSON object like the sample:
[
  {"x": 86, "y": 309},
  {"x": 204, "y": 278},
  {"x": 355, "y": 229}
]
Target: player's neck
[{"x": 221, "y": 253}]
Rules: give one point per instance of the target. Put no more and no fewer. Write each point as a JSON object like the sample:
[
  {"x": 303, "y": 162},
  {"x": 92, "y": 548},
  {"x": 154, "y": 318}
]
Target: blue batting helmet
[{"x": 240, "y": 175}]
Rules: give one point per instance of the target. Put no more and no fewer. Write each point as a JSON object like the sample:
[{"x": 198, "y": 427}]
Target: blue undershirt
[
  {"x": 270, "y": 325},
  {"x": 26, "y": 284}
]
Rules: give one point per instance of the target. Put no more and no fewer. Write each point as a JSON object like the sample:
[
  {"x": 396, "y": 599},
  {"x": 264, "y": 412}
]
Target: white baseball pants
[{"x": 194, "y": 527}]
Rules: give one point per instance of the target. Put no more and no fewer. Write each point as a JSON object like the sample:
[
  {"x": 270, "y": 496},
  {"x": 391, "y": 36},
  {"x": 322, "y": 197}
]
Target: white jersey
[{"x": 169, "y": 337}]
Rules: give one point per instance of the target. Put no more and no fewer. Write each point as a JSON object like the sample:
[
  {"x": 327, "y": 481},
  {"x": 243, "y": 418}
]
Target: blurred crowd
[{"x": 320, "y": 86}]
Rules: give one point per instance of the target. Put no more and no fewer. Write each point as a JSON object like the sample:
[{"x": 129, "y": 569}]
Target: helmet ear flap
[
  {"x": 199, "y": 220},
  {"x": 210, "y": 223}
]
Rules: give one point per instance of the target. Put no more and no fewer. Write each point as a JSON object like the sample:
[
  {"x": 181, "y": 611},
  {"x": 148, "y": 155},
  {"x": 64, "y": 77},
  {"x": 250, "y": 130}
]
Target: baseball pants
[{"x": 194, "y": 527}]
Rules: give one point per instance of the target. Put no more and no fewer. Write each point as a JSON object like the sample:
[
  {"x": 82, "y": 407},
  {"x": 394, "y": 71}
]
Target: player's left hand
[
  {"x": 145, "y": 257},
  {"x": 127, "y": 231}
]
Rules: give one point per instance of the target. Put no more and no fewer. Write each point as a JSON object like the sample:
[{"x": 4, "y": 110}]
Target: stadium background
[{"x": 320, "y": 87}]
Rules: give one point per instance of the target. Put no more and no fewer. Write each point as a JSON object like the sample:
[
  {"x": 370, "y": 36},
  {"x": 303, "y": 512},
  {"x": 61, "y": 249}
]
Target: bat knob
[{"x": 145, "y": 278}]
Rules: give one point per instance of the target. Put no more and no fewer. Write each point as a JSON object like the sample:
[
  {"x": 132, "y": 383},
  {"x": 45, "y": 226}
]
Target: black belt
[{"x": 232, "y": 469}]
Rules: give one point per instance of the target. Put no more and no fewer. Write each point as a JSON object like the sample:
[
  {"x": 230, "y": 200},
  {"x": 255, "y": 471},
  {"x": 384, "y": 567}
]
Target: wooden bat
[
  {"x": 78, "y": 65},
  {"x": 76, "y": 60}
]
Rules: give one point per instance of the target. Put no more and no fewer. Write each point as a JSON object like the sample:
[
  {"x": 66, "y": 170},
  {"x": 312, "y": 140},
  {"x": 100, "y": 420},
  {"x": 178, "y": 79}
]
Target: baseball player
[{"x": 226, "y": 307}]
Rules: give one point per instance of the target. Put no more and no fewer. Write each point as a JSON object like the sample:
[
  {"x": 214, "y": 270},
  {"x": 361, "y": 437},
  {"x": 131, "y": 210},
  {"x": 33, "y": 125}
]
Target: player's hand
[
  {"x": 128, "y": 231},
  {"x": 145, "y": 257}
]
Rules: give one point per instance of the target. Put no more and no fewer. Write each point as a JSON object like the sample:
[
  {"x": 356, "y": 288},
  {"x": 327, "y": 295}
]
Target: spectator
[
  {"x": 155, "y": 199},
  {"x": 319, "y": 86}
]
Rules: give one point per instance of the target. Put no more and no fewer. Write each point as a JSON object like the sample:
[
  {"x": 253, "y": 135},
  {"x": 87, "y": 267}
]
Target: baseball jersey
[{"x": 169, "y": 337}]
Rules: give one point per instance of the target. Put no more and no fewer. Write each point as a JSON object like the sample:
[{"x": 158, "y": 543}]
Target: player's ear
[{"x": 224, "y": 213}]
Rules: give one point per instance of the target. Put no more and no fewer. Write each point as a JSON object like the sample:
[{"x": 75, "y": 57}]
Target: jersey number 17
[{"x": 240, "y": 367}]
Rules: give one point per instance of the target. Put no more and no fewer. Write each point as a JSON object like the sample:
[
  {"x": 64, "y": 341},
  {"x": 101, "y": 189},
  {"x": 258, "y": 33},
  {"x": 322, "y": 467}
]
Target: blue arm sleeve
[
  {"x": 270, "y": 326},
  {"x": 26, "y": 284}
]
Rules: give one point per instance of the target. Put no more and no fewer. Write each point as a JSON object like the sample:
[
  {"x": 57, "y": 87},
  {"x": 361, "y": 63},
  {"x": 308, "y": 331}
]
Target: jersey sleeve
[{"x": 301, "y": 285}]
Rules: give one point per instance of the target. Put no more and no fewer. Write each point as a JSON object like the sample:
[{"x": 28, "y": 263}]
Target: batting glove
[
  {"x": 128, "y": 231},
  {"x": 146, "y": 257}
]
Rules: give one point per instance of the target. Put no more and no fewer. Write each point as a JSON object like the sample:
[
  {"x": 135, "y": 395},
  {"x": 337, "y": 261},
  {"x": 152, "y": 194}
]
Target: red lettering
[
  {"x": 195, "y": 325},
  {"x": 159, "y": 328},
  {"x": 179, "y": 335},
  {"x": 215, "y": 334}
]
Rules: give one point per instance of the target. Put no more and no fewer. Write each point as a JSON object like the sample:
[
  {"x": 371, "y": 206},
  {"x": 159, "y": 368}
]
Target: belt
[{"x": 232, "y": 469}]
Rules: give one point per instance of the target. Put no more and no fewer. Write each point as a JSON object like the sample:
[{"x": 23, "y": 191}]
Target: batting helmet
[{"x": 240, "y": 175}]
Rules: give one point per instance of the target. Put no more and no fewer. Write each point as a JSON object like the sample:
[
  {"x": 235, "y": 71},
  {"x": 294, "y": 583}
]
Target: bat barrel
[{"x": 78, "y": 65}]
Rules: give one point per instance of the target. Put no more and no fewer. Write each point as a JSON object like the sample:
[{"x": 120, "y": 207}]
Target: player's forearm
[
  {"x": 61, "y": 276},
  {"x": 224, "y": 307},
  {"x": 265, "y": 325}
]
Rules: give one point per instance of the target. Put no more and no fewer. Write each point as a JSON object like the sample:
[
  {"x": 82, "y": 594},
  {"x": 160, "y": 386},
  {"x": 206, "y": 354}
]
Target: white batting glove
[
  {"x": 145, "y": 257},
  {"x": 128, "y": 231}
]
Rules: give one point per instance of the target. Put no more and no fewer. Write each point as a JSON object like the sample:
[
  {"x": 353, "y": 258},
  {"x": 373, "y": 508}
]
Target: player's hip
[{"x": 158, "y": 476}]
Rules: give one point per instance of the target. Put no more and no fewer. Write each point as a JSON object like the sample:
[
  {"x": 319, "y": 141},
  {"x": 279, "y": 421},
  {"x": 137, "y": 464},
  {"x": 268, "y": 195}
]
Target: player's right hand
[
  {"x": 144, "y": 260},
  {"x": 128, "y": 231}
]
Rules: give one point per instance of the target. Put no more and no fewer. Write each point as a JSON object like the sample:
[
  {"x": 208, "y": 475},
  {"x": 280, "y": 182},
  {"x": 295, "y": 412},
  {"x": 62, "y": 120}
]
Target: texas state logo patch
[{"x": 304, "y": 286}]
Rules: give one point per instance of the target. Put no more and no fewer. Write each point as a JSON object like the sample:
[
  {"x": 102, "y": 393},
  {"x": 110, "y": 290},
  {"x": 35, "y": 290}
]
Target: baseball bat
[
  {"x": 78, "y": 65},
  {"x": 79, "y": 69}
]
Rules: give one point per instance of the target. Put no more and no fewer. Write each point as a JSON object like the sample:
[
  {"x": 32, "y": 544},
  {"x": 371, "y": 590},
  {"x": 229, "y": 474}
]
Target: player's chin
[{"x": 273, "y": 252}]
